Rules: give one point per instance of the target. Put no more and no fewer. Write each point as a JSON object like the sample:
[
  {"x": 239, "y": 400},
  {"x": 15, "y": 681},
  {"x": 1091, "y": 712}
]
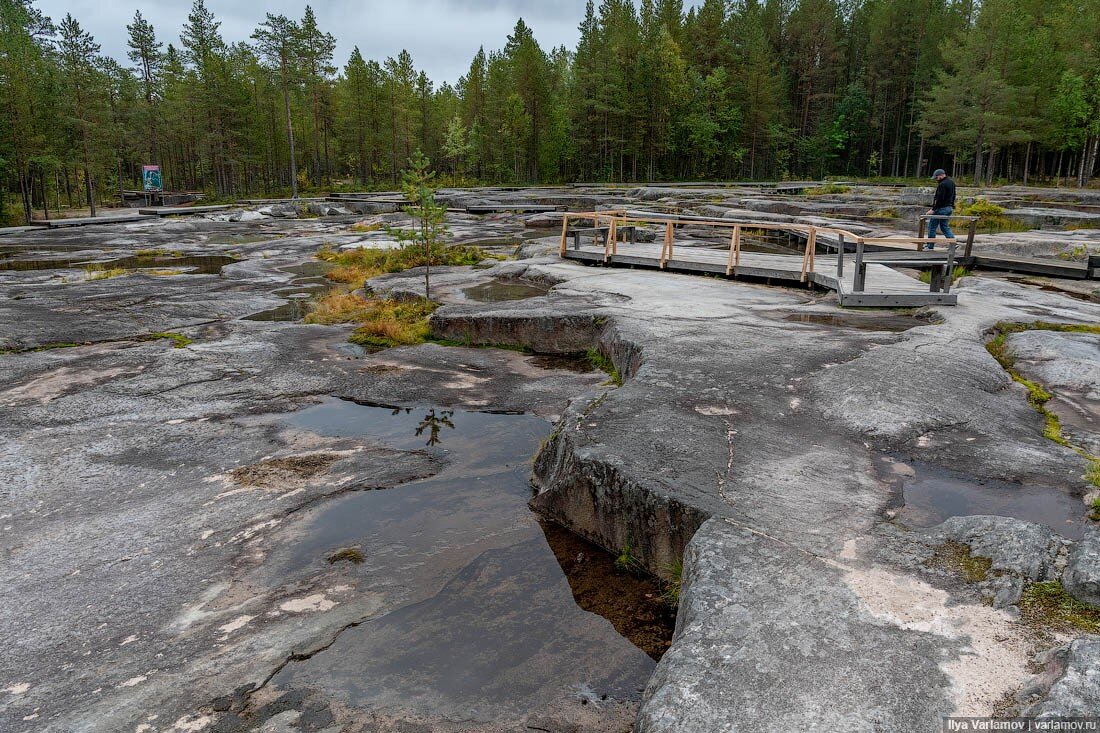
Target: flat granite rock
[
  {"x": 1082, "y": 576},
  {"x": 772, "y": 638},
  {"x": 1070, "y": 684},
  {"x": 1019, "y": 551}
]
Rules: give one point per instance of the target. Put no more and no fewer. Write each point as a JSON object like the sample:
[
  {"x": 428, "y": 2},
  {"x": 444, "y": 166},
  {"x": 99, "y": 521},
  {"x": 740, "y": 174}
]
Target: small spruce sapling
[{"x": 418, "y": 185}]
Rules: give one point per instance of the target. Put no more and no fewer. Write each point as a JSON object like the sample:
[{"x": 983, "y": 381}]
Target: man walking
[{"x": 943, "y": 205}]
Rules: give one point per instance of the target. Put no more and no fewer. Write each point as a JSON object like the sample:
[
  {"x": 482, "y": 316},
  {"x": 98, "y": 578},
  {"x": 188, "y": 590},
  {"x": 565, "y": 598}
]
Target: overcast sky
[{"x": 441, "y": 35}]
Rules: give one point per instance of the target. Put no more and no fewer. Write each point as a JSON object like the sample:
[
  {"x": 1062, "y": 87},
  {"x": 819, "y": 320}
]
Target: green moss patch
[
  {"x": 357, "y": 265},
  {"x": 1037, "y": 395},
  {"x": 351, "y": 555},
  {"x": 179, "y": 341},
  {"x": 602, "y": 362},
  {"x": 1048, "y": 606},
  {"x": 957, "y": 558}
]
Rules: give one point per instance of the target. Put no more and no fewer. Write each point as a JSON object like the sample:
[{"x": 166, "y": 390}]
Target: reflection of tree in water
[{"x": 433, "y": 423}]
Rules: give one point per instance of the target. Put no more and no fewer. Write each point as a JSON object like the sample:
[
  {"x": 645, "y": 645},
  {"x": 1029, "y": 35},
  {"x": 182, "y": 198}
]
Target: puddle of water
[
  {"x": 293, "y": 310},
  {"x": 579, "y": 364},
  {"x": 312, "y": 269},
  {"x": 199, "y": 265},
  {"x": 895, "y": 324},
  {"x": 632, "y": 603},
  {"x": 299, "y": 294},
  {"x": 492, "y": 630},
  {"x": 239, "y": 239},
  {"x": 931, "y": 495},
  {"x": 496, "y": 291}
]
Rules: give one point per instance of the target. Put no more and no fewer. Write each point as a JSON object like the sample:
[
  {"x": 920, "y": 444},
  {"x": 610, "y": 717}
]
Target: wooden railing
[
  {"x": 972, "y": 228},
  {"x": 610, "y": 224}
]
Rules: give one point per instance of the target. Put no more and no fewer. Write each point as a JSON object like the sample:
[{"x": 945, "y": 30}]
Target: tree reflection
[{"x": 434, "y": 422}]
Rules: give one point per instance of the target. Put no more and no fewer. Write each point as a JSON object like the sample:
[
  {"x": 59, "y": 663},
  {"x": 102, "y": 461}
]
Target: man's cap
[{"x": 939, "y": 172}]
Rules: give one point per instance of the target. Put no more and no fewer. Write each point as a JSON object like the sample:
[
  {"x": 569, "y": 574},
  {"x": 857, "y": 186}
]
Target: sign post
[{"x": 151, "y": 180}]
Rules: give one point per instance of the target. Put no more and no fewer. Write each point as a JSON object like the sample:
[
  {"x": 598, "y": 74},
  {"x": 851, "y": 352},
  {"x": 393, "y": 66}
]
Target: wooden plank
[
  {"x": 884, "y": 287},
  {"x": 182, "y": 210},
  {"x": 89, "y": 221},
  {"x": 1031, "y": 266}
]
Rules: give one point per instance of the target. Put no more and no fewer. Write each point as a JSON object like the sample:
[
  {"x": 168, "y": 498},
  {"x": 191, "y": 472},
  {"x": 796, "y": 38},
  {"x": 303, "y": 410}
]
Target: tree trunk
[
  {"x": 25, "y": 193},
  {"x": 45, "y": 195},
  {"x": 1090, "y": 164},
  {"x": 978, "y": 168},
  {"x": 1027, "y": 162},
  {"x": 89, "y": 188},
  {"x": 290, "y": 138}
]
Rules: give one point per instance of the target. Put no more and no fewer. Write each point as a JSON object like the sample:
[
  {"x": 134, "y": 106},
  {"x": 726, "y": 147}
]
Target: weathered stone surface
[
  {"x": 1068, "y": 361},
  {"x": 1069, "y": 687},
  {"x": 1082, "y": 576},
  {"x": 548, "y": 220},
  {"x": 1028, "y": 550},
  {"x": 938, "y": 382},
  {"x": 770, "y": 637},
  {"x": 1020, "y": 552},
  {"x": 741, "y": 430}
]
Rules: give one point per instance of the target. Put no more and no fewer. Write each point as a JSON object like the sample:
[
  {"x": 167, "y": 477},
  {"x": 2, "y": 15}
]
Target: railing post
[
  {"x": 858, "y": 279},
  {"x": 970, "y": 238},
  {"x": 735, "y": 250},
  {"x": 812, "y": 247},
  {"x": 921, "y": 220},
  {"x": 611, "y": 248},
  {"x": 840, "y": 256},
  {"x": 564, "y": 233},
  {"x": 808, "y": 255},
  {"x": 949, "y": 271},
  {"x": 666, "y": 248}
]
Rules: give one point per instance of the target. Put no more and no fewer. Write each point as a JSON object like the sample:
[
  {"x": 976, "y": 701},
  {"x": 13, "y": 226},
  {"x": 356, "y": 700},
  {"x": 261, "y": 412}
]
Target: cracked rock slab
[{"x": 1082, "y": 575}]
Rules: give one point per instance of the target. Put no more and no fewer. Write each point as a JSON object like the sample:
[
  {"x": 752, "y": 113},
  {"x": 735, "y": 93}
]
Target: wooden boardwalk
[
  {"x": 183, "y": 210},
  {"x": 885, "y": 287},
  {"x": 867, "y": 279},
  {"x": 85, "y": 221}
]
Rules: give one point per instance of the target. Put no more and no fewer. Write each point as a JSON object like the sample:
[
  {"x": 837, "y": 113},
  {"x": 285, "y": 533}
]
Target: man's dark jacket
[{"x": 945, "y": 195}]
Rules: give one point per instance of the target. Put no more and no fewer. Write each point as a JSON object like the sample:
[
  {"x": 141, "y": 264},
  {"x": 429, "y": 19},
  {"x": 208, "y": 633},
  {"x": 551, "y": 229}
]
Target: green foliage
[
  {"x": 981, "y": 208},
  {"x": 355, "y": 266},
  {"x": 827, "y": 189},
  {"x": 389, "y": 323},
  {"x": 102, "y": 272},
  {"x": 771, "y": 90},
  {"x": 674, "y": 584},
  {"x": 179, "y": 341},
  {"x": 418, "y": 185},
  {"x": 626, "y": 561},
  {"x": 351, "y": 555},
  {"x": 1077, "y": 254},
  {"x": 1049, "y": 607},
  {"x": 991, "y": 217},
  {"x": 956, "y": 274},
  {"x": 606, "y": 365}
]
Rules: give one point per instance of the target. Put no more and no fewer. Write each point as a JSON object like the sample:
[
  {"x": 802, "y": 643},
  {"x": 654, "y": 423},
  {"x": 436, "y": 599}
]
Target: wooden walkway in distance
[
  {"x": 885, "y": 287},
  {"x": 183, "y": 210}
]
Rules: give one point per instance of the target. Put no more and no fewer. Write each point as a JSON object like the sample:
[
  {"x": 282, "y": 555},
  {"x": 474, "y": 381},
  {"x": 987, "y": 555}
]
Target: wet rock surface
[
  {"x": 1082, "y": 576},
  {"x": 248, "y": 533}
]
